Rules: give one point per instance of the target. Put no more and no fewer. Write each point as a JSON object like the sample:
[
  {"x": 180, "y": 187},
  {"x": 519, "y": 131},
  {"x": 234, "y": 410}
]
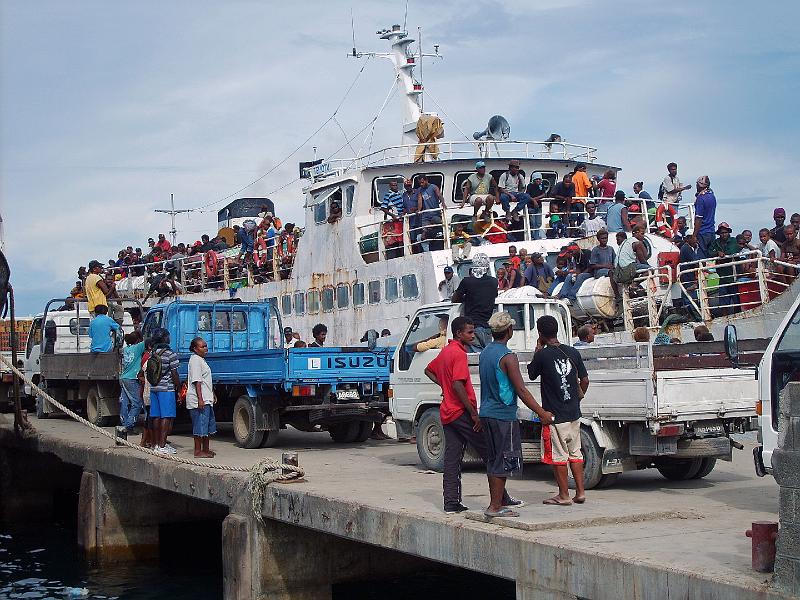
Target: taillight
[
  {"x": 758, "y": 407},
  {"x": 303, "y": 390},
  {"x": 670, "y": 430},
  {"x": 390, "y": 393}
]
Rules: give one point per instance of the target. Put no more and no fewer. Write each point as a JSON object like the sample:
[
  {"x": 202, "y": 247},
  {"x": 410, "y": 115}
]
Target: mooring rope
[{"x": 262, "y": 473}]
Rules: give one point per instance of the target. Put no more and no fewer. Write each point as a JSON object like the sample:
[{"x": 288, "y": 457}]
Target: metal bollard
[
  {"x": 763, "y": 534},
  {"x": 292, "y": 458}
]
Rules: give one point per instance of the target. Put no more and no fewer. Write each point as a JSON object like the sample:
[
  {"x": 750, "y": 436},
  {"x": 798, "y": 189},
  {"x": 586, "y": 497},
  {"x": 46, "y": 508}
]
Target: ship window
[
  {"x": 349, "y": 195},
  {"x": 322, "y": 202},
  {"x": 380, "y": 185},
  {"x": 458, "y": 185},
  {"x": 408, "y": 283},
  {"x": 327, "y": 299},
  {"x": 358, "y": 294},
  {"x": 374, "y": 292},
  {"x": 342, "y": 295},
  {"x": 286, "y": 304},
  {"x": 391, "y": 289},
  {"x": 239, "y": 320},
  {"x": 313, "y": 301},
  {"x": 299, "y": 303},
  {"x": 320, "y": 213}
]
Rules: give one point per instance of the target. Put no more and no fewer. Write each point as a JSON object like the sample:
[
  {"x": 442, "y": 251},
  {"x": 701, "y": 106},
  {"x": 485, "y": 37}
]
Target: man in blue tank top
[{"x": 501, "y": 385}]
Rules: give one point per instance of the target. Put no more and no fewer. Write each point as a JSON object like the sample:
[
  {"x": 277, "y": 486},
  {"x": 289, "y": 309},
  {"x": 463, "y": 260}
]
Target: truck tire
[
  {"x": 679, "y": 469},
  {"x": 94, "y": 411},
  {"x": 270, "y": 439},
  {"x": 707, "y": 465},
  {"x": 364, "y": 431},
  {"x": 244, "y": 423},
  {"x": 345, "y": 433},
  {"x": 592, "y": 461},
  {"x": 430, "y": 440}
]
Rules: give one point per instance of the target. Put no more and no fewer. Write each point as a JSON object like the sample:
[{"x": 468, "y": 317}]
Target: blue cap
[
  {"x": 480, "y": 164},
  {"x": 448, "y": 269}
]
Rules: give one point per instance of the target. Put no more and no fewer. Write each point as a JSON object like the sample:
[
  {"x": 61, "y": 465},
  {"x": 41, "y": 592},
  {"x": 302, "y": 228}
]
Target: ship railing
[
  {"x": 465, "y": 149},
  {"x": 698, "y": 288}
]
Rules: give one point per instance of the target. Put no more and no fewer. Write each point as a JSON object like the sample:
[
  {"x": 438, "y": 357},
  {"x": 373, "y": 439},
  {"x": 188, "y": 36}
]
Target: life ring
[
  {"x": 260, "y": 251},
  {"x": 212, "y": 264},
  {"x": 666, "y": 220}
]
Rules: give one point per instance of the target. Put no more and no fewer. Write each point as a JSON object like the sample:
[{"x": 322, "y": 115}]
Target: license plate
[
  {"x": 708, "y": 430},
  {"x": 347, "y": 394}
]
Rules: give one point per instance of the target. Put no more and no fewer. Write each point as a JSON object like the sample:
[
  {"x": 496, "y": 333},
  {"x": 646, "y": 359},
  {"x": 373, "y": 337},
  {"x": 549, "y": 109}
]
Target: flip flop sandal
[
  {"x": 503, "y": 512},
  {"x": 557, "y": 502},
  {"x": 579, "y": 500}
]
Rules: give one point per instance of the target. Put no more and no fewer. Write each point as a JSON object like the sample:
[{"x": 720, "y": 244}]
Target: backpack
[
  {"x": 661, "y": 191},
  {"x": 153, "y": 369}
]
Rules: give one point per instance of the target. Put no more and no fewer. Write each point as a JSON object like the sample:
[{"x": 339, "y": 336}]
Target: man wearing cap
[
  {"x": 512, "y": 187},
  {"x": 97, "y": 290},
  {"x": 479, "y": 189},
  {"x": 163, "y": 244},
  {"x": 705, "y": 207},
  {"x": 722, "y": 248},
  {"x": 501, "y": 386},
  {"x": 777, "y": 233},
  {"x": 449, "y": 284},
  {"x": 539, "y": 274},
  {"x": 478, "y": 292},
  {"x": 537, "y": 191}
]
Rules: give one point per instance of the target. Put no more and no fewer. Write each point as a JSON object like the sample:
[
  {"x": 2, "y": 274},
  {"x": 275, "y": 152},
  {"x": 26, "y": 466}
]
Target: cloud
[{"x": 106, "y": 109}]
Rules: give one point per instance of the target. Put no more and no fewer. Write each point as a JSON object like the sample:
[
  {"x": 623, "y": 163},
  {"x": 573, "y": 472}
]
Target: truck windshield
[{"x": 790, "y": 340}]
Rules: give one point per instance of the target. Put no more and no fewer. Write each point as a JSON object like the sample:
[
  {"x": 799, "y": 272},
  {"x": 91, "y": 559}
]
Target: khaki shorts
[
  {"x": 482, "y": 197},
  {"x": 561, "y": 443}
]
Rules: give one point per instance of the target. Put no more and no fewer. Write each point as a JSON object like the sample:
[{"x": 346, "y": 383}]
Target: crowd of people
[{"x": 266, "y": 250}]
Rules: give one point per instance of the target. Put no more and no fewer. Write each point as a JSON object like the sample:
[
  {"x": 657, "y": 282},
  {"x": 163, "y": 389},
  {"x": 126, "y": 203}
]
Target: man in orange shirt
[{"x": 582, "y": 187}]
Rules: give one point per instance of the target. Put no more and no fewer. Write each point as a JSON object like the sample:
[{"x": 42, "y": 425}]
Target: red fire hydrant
[{"x": 763, "y": 534}]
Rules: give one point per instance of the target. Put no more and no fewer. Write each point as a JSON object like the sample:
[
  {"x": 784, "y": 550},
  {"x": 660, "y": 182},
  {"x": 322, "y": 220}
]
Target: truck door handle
[{"x": 37, "y": 361}]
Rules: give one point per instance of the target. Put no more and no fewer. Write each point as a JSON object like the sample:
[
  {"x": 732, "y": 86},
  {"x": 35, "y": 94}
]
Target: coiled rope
[{"x": 262, "y": 473}]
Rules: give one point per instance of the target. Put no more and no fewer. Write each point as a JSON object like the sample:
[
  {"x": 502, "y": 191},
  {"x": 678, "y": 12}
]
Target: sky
[{"x": 107, "y": 108}]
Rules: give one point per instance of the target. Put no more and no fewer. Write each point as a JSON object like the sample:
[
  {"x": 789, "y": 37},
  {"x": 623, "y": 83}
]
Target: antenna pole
[
  {"x": 172, "y": 212},
  {"x": 421, "y": 80}
]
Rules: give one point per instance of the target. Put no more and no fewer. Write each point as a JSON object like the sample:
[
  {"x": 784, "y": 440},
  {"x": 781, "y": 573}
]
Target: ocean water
[{"x": 43, "y": 561}]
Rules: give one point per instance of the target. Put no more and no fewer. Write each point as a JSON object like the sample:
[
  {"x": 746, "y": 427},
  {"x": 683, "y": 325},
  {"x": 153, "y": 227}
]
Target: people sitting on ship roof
[
  {"x": 513, "y": 275},
  {"x": 449, "y": 284},
  {"x": 585, "y": 335},
  {"x": 335, "y": 212},
  {"x": 319, "y": 333},
  {"x": 593, "y": 222},
  {"x": 164, "y": 284},
  {"x": 561, "y": 271},
  {"x": 392, "y": 227},
  {"x": 511, "y": 186},
  {"x": 537, "y": 191},
  {"x": 579, "y": 272},
  {"x": 631, "y": 257},
  {"x": 460, "y": 243},
  {"x": 538, "y": 273},
  {"x": 602, "y": 256},
  {"x": 503, "y": 282},
  {"x": 557, "y": 222},
  {"x": 479, "y": 189}
]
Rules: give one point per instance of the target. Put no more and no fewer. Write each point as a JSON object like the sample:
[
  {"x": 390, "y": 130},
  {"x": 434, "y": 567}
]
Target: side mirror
[
  {"x": 732, "y": 345},
  {"x": 372, "y": 339}
]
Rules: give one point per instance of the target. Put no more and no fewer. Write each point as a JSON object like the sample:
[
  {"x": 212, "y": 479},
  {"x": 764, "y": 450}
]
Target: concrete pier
[{"x": 368, "y": 511}]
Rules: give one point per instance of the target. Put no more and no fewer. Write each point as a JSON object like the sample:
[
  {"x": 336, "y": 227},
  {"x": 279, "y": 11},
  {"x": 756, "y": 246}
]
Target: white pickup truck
[{"x": 670, "y": 407}]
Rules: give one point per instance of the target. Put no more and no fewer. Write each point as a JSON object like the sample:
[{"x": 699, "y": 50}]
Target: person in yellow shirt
[{"x": 96, "y": 288}]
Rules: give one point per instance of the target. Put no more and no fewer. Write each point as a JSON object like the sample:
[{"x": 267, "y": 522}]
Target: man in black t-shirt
[
  {"x": 478, "y": 292},
  {"x": 564, "y": 381}
]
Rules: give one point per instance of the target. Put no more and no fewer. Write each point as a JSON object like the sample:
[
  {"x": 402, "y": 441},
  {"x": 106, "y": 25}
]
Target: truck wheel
[
  {"x": 430, "y": 440},
  {"x": 345, "y": 433},
  {"x": 679, "y": 469},
  {"x": 244, "y": 423},
  {"x": 607, "y": 480},
  {"x": 364, "y": 431},
  {"x": 706, "y": 466},
  {"x": 270, "y": 439},
  {"x": 592, "y": 460},
  {"x": 94, "y": 411}
]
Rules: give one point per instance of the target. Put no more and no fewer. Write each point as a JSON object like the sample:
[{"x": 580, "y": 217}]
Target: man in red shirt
[
  {"x": 458, "y": 412},
  {"x": 163, "y": 243}
]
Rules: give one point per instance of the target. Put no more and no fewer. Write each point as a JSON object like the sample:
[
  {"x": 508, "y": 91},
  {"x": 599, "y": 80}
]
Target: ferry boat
[{"x": 341, "y": 272}]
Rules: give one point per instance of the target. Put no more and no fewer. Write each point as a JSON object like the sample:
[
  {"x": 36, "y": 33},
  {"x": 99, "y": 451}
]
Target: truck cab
[{"x": 778, "y": 369}]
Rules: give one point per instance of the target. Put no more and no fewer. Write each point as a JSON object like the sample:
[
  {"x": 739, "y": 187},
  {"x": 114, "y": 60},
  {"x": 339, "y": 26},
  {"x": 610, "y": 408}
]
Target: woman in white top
[{"x": 200, "y": 398}]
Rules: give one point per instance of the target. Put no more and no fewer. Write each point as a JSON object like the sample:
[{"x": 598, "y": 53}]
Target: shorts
[
  {"x": 482, "y": 197},
  {"x": 162, "y": 405},
  {"x": 503, "y": 447},
  {"x": 561, "y": 443},
  {"x": 203, "y": 421}
]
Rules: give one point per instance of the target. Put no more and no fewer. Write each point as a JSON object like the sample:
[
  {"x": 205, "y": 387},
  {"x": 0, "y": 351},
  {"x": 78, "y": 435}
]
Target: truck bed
[{"x": 80, "y": 366}]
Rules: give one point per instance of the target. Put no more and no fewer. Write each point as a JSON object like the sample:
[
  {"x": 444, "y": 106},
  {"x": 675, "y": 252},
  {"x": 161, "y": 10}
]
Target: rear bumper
[{"x": 716, "y": 447}]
